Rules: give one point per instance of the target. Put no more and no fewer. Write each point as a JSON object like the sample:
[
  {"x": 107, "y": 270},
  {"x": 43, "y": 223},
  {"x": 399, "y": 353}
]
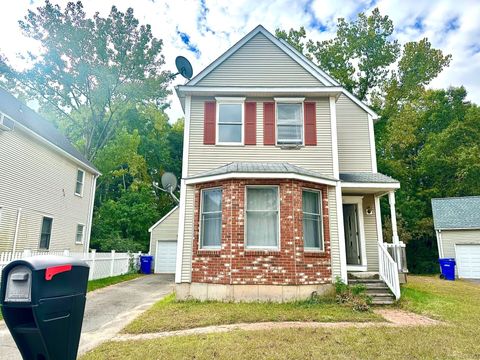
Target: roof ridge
[{"x": 457, "y": 197}]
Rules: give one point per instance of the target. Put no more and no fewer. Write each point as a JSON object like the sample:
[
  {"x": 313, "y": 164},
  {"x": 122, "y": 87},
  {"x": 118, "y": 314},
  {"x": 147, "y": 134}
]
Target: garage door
[
  {"x": 166, "y": 257},
  {"x": 468, "y": 260}
]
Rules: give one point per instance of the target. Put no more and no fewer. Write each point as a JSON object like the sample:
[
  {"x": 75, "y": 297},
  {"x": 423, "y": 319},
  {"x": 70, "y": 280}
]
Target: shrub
[{"x": 352, "y": 295}]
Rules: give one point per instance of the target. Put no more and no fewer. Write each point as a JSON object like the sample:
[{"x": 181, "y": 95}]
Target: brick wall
[{"x": 234, "y": 264}]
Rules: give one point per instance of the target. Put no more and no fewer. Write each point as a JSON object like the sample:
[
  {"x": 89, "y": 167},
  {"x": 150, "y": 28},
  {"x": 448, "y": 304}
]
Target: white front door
[
  {"x": 468, "y": 260},
  {"x": 166, "y": 257}
]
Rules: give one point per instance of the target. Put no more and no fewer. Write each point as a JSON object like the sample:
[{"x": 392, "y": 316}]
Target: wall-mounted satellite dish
[
  {"x": 169, "y": 184},
  {"x": 184, "y": 67}
]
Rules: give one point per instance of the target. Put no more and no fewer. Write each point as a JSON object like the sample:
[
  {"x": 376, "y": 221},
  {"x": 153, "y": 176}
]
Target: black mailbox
[{"x": 43, "y": 300}]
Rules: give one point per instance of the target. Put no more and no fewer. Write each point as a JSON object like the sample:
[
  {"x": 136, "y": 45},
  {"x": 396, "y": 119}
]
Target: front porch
[{"x": 366, "y": 250}]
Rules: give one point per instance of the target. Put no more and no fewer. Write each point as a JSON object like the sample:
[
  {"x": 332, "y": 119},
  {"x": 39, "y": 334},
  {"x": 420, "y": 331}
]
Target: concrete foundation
[{"x": 237, "y": 293}]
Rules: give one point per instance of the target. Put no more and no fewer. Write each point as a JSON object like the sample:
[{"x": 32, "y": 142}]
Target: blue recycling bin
[
  {"x": 146, "y": 264},
  {"x": 447, "y": 266}
]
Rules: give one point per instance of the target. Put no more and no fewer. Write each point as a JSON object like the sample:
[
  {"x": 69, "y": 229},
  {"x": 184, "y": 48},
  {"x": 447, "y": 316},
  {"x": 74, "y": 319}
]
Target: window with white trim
[
  {"x": 80, "y": 182},
  {"x": 45, "y": 233},
  {"x": 211, "y": 218},
  {"x": 312, "y": 220},
  {"x": 262, "y": 217},
  {"x": 289, "y": 123},
  {"x": 230, "y": 122},
  {"x": 80, "y": 234}
]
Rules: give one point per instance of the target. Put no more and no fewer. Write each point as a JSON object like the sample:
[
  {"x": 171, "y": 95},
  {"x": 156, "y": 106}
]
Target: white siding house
[{"x": 47, "y": 187}]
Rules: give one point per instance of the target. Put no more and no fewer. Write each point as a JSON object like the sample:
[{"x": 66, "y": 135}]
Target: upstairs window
[
  {"x": 211, "y": 219},
  {"x": 46, "y": 233},
  {"x": 230, "y": 114},
  {"x": 289, "y": 123},
  {"x": 79, "y": 183}
]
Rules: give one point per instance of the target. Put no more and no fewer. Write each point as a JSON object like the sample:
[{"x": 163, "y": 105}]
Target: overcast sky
[{"x": 203, "y": 30}]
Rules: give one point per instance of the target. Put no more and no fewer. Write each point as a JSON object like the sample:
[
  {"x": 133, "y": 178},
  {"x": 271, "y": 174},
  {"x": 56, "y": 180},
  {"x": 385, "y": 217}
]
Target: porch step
[{"x": 376, "y": 289}]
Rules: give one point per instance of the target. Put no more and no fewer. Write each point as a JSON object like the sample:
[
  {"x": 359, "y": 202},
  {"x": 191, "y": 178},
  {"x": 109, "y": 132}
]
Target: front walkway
[
  {"x": 394, "y": 318},
  {"x": 108, "y": 310}
]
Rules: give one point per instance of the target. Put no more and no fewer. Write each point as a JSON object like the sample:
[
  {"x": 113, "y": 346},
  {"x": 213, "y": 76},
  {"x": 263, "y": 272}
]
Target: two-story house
[
  {"x": 47, "y": 187},
  {"x": 280, "y": 191}
]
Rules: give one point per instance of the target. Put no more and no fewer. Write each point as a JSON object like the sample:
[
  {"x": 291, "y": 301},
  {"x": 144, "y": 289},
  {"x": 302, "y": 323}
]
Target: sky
[{"x": 202, "y": 30}]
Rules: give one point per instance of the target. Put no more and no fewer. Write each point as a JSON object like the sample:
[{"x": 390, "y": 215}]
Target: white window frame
[
  {"x": 76, "y": 182},
  {"x": 229, "y": 100},
  {"x": 41, "y": 229},
  {"x": 322, "y": 233},
  {"x": 200, "y": 240},
  {"x": 245, "y": 230},
  {"x": 299, "y": 101},
  {"x": 83, "y": 234}
]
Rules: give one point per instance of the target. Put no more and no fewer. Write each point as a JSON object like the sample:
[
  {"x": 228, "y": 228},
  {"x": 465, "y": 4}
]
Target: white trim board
[
  {"x": 371, "y": 185},
  {"x": 162, "y": 219}
]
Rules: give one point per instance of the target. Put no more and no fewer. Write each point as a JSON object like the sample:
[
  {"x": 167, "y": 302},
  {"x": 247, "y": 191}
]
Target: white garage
[
  {"x": 457, "y": 226},
  {"x": 468, "y": 261},
  {"x": 163, "y": 243}
]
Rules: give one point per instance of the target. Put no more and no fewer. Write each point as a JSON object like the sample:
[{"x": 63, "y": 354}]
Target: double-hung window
[
  {"x": 289, "y": 122},
  {"x": 46, "y": 232},
  {"x": 79, "y": 183},
  {"x": 80, "y": 234},
  {"x": 230, "y": 114},
  {"x": 312, "y": 220},
  {"x": 211, "y": 218},
  {"x": 262, "y": 220}
]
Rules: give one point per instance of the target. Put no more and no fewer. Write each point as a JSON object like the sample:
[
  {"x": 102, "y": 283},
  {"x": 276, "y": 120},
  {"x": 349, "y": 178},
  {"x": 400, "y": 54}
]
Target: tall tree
[{"x": 91, "y": 69}]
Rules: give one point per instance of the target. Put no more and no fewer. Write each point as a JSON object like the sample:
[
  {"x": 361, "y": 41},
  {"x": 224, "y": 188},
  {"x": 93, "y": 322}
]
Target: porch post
[{"x": 395, "y": 239}]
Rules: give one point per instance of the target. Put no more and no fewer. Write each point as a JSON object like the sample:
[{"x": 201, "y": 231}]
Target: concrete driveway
[{"x": 107, "y": 311}]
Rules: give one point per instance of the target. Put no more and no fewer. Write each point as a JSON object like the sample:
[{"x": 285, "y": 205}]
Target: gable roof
[
  {"x": 325, "y": 79},
  {"x": 456, "y": 213},
  {"x": 36, "y": 124},
  {"x": 163, "y": 219}
]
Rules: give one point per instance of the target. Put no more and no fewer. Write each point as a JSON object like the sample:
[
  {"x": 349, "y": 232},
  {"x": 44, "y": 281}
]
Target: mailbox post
[{"x": 43, "y": 300}]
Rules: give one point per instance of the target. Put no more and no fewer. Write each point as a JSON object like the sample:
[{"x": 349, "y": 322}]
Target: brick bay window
[
  {"x": 289, "y": 121},
  {"x": 211, "y": 218},
  {"x": 262, "y": 220},
  {"x": 312, "y": 220}
]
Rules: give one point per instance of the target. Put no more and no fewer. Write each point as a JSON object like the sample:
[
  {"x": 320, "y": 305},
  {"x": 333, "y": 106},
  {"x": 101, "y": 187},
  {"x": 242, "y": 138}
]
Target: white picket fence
[{"x": 102, "y": 265}]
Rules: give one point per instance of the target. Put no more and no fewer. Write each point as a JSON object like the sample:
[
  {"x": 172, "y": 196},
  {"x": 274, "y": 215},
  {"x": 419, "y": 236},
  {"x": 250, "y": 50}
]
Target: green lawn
[
  {"x": 456, "y": 303},
  {"x": 169, "y": 314}
]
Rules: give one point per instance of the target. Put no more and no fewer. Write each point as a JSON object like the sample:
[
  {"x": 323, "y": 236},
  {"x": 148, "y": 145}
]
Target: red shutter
[
  {"x": 209, "y": 123},
  {"x": 269, "y": 123},
  {"x": 250, "y": 123},
  {"x": 310, "y": 123}
]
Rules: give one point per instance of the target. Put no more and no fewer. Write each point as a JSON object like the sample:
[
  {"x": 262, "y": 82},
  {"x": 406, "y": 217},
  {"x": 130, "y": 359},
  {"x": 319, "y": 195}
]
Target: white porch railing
[
  {"x": 399, "y": 255},
  {"x": 388, "y": 270},
  {"x": 102, "y": 265}
]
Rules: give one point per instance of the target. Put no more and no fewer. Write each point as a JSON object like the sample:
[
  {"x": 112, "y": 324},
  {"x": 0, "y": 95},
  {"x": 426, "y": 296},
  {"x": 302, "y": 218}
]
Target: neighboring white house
[
  {"x": 457, "y": 226},
  {"x": 47, "y": 187}
]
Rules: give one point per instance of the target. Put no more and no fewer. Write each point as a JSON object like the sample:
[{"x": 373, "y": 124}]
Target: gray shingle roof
[
  {"x": 25, "y": 116},
  {"x": 258, "y": 167},
  {"x": 456, "y": 213},
  {"x": 366, "y": 177}
]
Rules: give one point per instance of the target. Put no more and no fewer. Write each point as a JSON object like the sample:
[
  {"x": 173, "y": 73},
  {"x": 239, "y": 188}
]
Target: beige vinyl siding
[
  {"x": 207, "y": 157},
  {"x": 259, "y": 62},
  {"x": 353, "y": 137},
  {"x": 186, "y": 275},
  {"x": 41, "y": 182},
  {"x": 167, "y": 230},
  {"x": 452, "y": 237},
  {"x": 334, "y": 238},
  {"x": 371, "y": 237}
]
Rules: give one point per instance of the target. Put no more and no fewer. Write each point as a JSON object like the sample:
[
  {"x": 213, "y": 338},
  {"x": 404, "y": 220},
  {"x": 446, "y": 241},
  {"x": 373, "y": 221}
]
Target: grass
[
  {"x": 101, "y": 283},
  {"x": 169, "y": 314},
  {"x": 456, "y": 303}
]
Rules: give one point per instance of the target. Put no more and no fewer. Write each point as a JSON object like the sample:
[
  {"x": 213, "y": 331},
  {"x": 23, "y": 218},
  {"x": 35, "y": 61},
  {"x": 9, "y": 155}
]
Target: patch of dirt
[{"x": 405, "y": 318}]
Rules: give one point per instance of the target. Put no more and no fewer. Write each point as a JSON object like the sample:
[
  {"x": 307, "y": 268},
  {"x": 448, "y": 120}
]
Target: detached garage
[
  {"x": 457, "y": 226},
  {"x": 163, "y": 243}
]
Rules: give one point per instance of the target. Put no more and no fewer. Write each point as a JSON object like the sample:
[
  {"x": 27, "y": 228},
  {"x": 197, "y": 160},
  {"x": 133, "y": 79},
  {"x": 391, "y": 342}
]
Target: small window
[
  {"x": 46, "y": 233},
  {"x": 230, "y": 123},
  {"x": 312, "y": 220},
  {"x": 262, "y": 217},
  {"x": 211, "y": 218},
  {"x": 80, "y": 234},
  {"x": 79, "y": 183},
  {"x": 289, "y": 124}
]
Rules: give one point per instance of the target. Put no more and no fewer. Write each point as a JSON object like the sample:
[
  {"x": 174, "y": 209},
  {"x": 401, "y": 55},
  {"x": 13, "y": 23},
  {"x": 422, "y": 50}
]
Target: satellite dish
[
  {"x": 169, "y": 181},
  {"x": 184, "y": 67}
]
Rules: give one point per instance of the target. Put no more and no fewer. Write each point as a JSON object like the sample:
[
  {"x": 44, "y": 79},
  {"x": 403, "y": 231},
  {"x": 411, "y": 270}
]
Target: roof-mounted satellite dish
[
  {"x": 169, "y": 184},
  {"x": 184, "y": 67}
]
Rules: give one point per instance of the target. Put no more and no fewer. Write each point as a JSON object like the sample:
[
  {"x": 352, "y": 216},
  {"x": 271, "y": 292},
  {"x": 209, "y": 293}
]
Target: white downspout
[
  {"x": 395, "y": 239},
  {"x": 17, "y": 228},
  {"x": 90, "y": 213}
]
